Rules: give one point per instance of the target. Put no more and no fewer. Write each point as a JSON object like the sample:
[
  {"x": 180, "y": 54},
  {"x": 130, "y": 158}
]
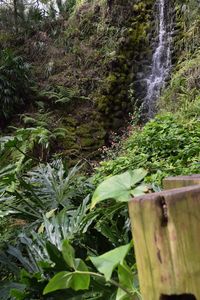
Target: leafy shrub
[
  {"x": 14, "y": 84},
  {"x": 45, "y": 189},
  {"x": 31, "y": 145},
  {"x": 182, "y": 95},
  {"x": 49, "y": 196},
  {"x": 45, "y": 254},
  {"x": 165, "y": 146},
  {"x": 47, "y": 270}
]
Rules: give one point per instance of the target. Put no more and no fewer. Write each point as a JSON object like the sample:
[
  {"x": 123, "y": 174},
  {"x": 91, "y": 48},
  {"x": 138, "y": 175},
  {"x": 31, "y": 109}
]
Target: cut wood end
[
  {"x": 166, "y": 194},
  {"x": 188, "y": 177},
  {"x": 181, "y": 181}
]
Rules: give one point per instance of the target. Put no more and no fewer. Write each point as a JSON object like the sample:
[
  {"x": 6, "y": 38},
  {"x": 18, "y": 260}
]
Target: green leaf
[
  {"x": 137, "y": 175},
  {"x": 68, "y": 254},
  {"x": 107, "y": 262},
  {"x": 6, "y": 289},
  {"x": 60, "y": 281},
  {"x": 19, "y": 295},
  {"x": 81, "y": 281},
  {"x": 118, "y": 187},
  {"x": 140, "y": 190},
  {"x": 122, "y": 295},
  {"x": 55, "y": 256},
  {"x": 77, "y": 280},
  {"x": 126, "y": 278}
]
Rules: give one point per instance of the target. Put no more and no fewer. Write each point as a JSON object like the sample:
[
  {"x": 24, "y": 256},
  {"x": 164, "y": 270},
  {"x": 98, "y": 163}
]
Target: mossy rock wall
[
  {"x": 123, "y": 71},
  {"x": 105, "y": 68},
  {"x": 133, "y": 54},
  {"x": 85, "y": 135}
]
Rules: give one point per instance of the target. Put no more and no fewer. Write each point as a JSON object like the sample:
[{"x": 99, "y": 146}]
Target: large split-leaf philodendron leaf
[{"x": 119, "y": 187}]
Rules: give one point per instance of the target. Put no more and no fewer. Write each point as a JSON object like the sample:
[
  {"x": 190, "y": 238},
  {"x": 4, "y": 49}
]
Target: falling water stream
[{"x": 161, "y": 60}]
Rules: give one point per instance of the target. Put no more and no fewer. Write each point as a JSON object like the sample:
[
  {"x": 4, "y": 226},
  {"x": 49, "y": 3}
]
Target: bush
[
  {"x": 165, "y": 146},
  {"x": 182, "y": 95},
  {"x": 14, "y": 84}
]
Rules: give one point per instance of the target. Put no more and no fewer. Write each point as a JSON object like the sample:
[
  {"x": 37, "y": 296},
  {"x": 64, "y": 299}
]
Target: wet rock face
[
  {"x": 161, "y": 58},
  {"x": 155, "y": 67}
]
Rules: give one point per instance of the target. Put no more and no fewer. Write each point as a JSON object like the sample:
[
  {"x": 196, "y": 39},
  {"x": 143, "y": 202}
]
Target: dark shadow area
[{"x": 178, "y": 297}]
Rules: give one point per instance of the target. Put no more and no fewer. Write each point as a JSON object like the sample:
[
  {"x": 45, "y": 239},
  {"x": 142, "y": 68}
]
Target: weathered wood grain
[
  {"x": 180, "y": 181},
  {"x": 166, "y": 233}
]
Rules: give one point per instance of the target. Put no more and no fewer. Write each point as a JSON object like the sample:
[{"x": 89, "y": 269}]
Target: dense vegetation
[{"x": 70, "y": 155}]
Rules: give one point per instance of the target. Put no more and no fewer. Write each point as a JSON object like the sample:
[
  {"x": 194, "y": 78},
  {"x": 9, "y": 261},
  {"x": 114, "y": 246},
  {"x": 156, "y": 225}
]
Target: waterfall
[{"x": 161, "y": 60}]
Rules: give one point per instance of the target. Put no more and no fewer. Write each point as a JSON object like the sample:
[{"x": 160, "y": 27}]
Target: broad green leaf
[
  {"x": 140, "y": 190},
  {"x": 118, "y": 187},
  {"x": 55, "y": 256},
  {"x": 68, "y": 254},
  {"x": 75, "y": 280},
  {"x": 107, "y": 262},
  {"x": 137, "y": 175},
  {"x": 125, "y": 276},
  {"x": 80, "y": 281},
  {"x": 122, "y": 295},
  {"x": 60, "y": 281}
]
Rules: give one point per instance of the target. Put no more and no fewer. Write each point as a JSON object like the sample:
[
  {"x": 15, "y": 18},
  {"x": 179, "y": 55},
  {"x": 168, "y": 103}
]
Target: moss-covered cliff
[
  {"x": 89, "y": 67},
  {"x": 182, "y": 94},
  {"x": 92, "y": 58}
]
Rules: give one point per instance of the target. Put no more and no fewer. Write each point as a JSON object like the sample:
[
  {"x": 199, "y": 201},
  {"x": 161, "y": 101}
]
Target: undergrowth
[
  {"x": 165, "y": 146},
  {"x": 182, "y": 95},
  {"x": 75, "y": 242}
]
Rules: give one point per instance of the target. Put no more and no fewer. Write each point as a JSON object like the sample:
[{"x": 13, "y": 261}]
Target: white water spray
[{"x": 161, "y": 61}]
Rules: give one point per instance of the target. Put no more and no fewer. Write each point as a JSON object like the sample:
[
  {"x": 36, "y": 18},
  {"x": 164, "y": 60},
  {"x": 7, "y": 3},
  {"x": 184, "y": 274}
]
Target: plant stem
[
  {"x": 113, "y": 282},
  {"x": 117, "y": 284}
]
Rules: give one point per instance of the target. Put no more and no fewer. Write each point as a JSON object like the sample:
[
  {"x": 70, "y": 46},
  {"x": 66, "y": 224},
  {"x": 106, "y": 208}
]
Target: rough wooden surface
[
  {"x": 166, "y": 233},
  {"x": 180, "y": 181}
]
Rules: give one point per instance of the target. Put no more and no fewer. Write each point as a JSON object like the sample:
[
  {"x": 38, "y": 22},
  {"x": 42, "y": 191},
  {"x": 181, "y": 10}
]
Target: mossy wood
[
  {"x": 166, "y": 228},
  {"x": 180, "y": 181}
]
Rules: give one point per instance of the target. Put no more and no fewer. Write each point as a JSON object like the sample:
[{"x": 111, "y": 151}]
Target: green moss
[
  {"x": 70, "y": 121},
  {"x": 102, "y": 103},
  {"x": 87, "y": 142},
  {"x": 113, "y": 100}
]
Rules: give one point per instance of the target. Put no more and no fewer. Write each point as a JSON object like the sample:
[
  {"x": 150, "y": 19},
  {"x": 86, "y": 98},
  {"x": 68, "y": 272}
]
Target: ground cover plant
[
  {"x": 42, "y": 261},
  {"x": 63, "y": 209},
  {"x": 167, "y": 145}
]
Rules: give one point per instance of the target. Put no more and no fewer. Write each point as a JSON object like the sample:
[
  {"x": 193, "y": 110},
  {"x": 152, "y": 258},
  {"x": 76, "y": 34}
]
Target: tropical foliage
[
  {"x": 165, "y": 146},
  {"x": 64, "y": 223},
  {"x": 43, "y": 260},
  {"x": 14, "y": 84}
]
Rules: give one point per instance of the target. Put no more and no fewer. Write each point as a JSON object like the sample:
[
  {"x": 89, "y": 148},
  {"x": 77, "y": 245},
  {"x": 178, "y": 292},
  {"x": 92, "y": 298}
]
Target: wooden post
[
  {"x": 166, "y": 233},
  {"x": 180, "y": 181}
]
